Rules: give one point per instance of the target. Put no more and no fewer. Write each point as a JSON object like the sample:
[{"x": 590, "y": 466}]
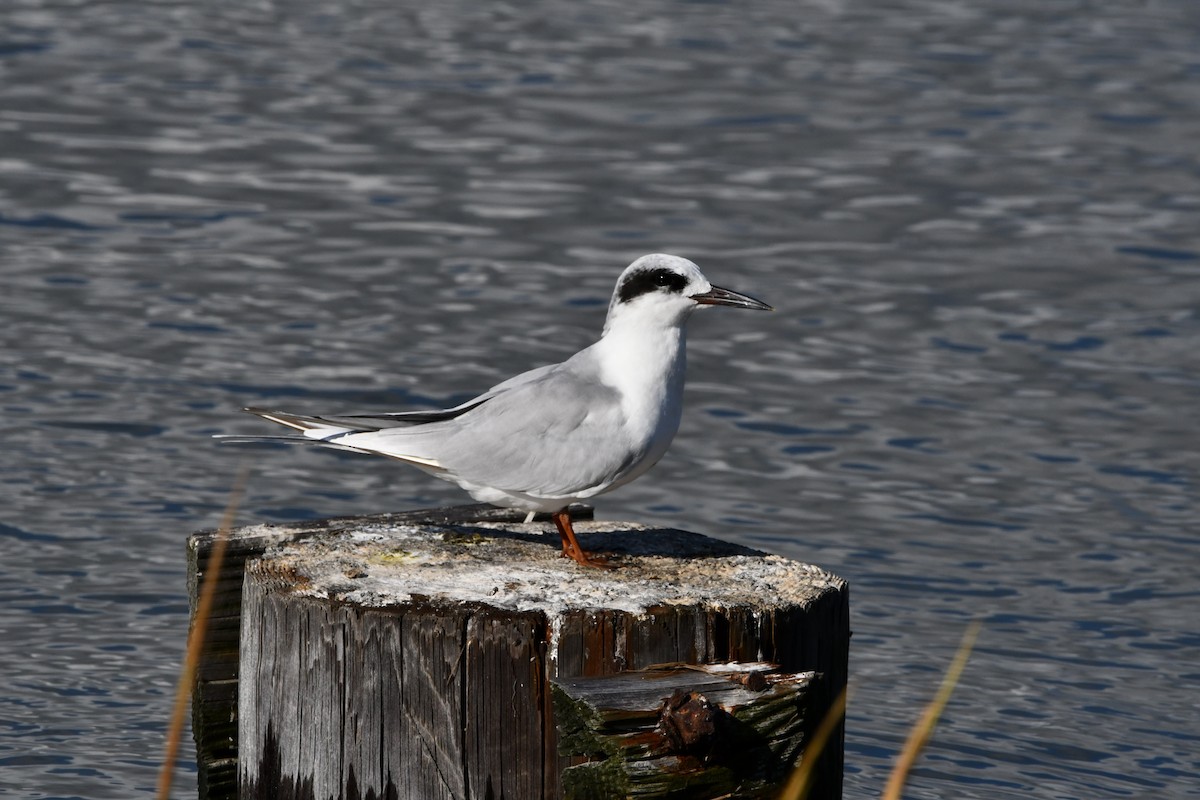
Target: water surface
[{"x": 976, "y": 399}]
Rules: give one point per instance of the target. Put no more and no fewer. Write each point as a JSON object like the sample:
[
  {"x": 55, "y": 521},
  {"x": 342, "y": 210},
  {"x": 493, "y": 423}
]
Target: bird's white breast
[{"x": 647, "y": 369}]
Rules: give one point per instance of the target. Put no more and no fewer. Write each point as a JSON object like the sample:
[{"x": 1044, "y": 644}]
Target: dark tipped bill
[{"x": 716, "y": 296}]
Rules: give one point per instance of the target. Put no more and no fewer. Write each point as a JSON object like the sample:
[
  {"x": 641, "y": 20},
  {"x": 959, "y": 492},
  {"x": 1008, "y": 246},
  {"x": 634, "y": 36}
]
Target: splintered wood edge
[{"x": 644, "y": 690}]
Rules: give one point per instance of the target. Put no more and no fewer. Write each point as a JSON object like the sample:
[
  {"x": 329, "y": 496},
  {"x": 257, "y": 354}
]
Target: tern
[{"x": 559, "y": 433}]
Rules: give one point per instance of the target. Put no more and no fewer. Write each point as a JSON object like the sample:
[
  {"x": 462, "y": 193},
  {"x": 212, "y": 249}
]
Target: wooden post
[
  {"x": 399, "y": 657},
  {"x": 215, "y": 690}
]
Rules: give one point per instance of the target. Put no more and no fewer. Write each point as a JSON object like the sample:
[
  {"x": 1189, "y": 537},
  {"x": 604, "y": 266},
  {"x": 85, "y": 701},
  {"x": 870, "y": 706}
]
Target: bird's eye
[{"x": 656, "y": 280}]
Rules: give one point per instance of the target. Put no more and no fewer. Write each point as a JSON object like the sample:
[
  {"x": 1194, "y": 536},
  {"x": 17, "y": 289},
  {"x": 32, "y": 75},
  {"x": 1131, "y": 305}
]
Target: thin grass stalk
[
  {"x": 187, "y": 672},
  {"x": 920, "y": 734},
  {"x": 800, "y": 781}
]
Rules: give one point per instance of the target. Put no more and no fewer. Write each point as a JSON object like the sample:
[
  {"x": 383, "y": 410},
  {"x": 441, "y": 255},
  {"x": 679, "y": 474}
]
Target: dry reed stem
[
  {"x": 920, "y": 734},
  {"x": 196, "y": 637},
  {"x": 800, "y": 781}
]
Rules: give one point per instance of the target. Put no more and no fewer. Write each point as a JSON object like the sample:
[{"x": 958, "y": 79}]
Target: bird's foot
[
  {"x": 570, "y": 545},
  {"x": 585, "y": 559}
]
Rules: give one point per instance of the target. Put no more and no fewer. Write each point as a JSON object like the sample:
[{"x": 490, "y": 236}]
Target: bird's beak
[{"x": 716, "y": 296}]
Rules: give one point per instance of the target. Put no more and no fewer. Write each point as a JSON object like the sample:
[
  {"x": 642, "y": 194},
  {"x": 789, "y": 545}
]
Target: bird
[{"x": 559, "y": 433}]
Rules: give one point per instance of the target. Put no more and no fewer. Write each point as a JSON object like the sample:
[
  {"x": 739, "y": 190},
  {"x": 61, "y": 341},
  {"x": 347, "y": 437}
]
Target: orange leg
[{"x": 570, "y": 545}]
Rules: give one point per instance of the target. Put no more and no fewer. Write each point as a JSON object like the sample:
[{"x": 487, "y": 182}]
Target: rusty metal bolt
[{"x": 688, "y": 722}]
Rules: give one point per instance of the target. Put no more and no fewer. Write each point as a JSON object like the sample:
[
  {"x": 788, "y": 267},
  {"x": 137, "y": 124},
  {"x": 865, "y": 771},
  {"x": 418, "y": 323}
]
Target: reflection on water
[{"x": 975, "y": 400}]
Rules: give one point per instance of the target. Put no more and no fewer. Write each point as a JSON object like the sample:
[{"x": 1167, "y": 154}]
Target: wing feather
[{"x": 553, "y": 436}]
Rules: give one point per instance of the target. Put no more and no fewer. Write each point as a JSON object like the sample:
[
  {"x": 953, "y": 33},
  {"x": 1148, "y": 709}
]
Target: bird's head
[{"x": 664, "y": 290}]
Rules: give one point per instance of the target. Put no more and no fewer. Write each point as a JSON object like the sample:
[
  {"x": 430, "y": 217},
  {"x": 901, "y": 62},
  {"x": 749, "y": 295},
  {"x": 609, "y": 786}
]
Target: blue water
[{"x": 977, "y": 399}]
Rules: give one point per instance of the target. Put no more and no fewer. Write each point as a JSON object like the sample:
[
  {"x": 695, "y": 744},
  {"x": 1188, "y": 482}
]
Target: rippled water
[{"x": 977, "y": 399}]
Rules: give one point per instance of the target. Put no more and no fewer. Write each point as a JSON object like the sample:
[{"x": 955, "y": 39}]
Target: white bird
[{"x": 559, "y": 433}]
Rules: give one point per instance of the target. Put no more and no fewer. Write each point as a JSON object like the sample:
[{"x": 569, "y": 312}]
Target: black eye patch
[{"x": 651, "y": 280}]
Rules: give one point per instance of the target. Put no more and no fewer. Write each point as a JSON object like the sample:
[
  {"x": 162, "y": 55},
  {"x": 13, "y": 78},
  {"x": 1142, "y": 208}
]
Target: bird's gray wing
[
  {"x": 516, "y": 381},
  {"x": 365, "y": 422},
  {"x": 327, "y": 429},
  {"x": 554, "y": 432}
]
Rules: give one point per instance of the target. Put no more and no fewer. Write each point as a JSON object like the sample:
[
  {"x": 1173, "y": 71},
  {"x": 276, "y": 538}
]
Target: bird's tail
[
  {"x": 328, "y": 431},
  {"x": 314, "y": 427},
  {"x": 237, "y": 438},
  {"x": 313, "y": 430}
]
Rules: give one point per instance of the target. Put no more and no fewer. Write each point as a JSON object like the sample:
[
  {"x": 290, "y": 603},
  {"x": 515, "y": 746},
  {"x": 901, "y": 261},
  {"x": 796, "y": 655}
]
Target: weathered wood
[
  {"x": 688, "y": 733},
  {"x": 215, "y": 688},
  {"x": 382, "y": 659}
]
